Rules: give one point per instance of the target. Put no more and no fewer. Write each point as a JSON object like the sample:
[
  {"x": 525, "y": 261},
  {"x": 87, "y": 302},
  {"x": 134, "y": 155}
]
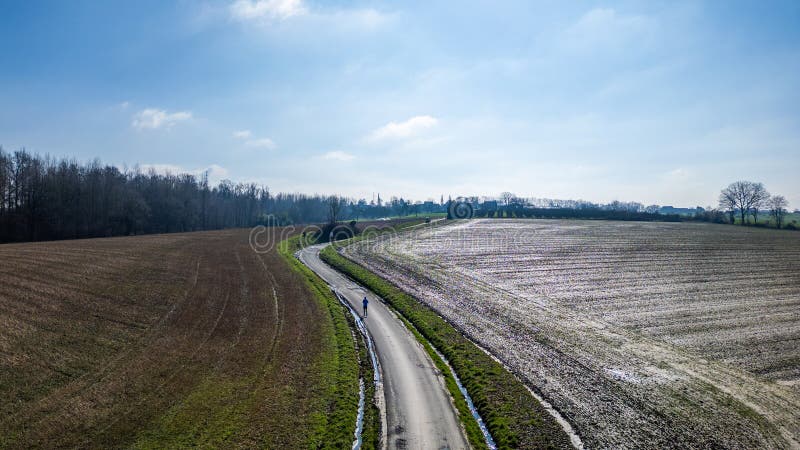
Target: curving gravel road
[{"x": 419, "y": 410}]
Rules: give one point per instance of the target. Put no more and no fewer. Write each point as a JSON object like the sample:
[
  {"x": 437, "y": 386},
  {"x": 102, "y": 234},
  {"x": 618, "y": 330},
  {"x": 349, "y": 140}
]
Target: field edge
[{"x": 349, "y": 364}]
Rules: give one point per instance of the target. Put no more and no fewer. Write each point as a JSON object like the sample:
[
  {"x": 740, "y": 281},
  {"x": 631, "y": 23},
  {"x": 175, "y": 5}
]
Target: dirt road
[{"x": 419, "y": 411}]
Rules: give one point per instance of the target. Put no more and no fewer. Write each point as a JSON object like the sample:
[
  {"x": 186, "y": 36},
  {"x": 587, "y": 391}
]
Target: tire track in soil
[
  {"x": 194, "y": 331},
  {"x": 278, "y": 314},
  {"x": 149, "y": 336},
  {"x": 244, "y": 292},
  {"x": 78, "y": 386},
  {"x": 160, "y": 389},
  {"x": 158, "y": 331}
]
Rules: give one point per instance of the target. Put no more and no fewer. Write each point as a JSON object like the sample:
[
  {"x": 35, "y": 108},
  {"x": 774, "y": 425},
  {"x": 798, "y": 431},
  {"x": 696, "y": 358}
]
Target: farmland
[
  {"x": 640, "y": 334},
  {"x": 169, "y": 341}
]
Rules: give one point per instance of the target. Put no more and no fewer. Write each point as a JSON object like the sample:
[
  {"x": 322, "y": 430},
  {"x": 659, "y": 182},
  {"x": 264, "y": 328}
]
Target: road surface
[{"x": 419, "y": 411}]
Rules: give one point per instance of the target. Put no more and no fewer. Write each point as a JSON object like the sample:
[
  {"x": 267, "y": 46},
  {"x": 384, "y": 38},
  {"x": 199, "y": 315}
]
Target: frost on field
[{"x": 641, "y": 334}]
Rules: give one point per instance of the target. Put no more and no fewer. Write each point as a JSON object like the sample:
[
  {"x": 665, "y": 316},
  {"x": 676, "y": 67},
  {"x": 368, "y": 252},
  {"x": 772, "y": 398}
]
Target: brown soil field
[
  {"x": 159, "y": 341},
  {"x": 640, "y": 334}
]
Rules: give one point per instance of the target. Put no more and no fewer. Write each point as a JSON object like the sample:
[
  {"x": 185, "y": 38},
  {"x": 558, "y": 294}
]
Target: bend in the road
[{"x": 419, "y": 410}]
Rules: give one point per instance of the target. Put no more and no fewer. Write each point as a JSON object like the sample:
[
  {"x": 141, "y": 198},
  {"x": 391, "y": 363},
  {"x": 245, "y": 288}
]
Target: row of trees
[
  {"x": 741, "y": 200},
  {"x": 44, "y": 198},
  {"x": 511, "y": 200},
  {"x": 747, "y": 199},
  {"x": 578, "y": 213}
]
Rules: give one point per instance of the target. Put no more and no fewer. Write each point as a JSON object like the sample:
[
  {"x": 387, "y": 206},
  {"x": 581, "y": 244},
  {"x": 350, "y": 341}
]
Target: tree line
[
  {"x": 746, "y": 199},
  {"x": 587, "y": 212},
  {"x": 738, "y": 204},
  {"x": 43, "y": 198},
  {"x": 511, "y": 206}
]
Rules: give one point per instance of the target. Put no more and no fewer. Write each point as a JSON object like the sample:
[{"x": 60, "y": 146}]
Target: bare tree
[
  {"x": 204, "y": 191},
  {"x": 760, "y": 199},
  {"x": 727, "y": 202},
  {"x": 507, "y": 197},
  {"x": 5, "y": 180},
  {"x": 744, "y": 197},
  {"x": 335, "y": 205},
  {"x": 777, "y": 209}
]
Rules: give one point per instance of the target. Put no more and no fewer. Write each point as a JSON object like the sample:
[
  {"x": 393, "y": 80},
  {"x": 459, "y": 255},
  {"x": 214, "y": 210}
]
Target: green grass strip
[
  {"x": 513, "y": 416},
  {"x": 337, "y": 417}
]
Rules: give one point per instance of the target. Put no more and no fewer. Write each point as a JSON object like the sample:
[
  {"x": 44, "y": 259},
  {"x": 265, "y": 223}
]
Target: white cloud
[
  {"x": 154, "y": 119},
  {"x": 251, "y": 141},
  {"x": 402, "y": 130},
  {"x": 338, "y": 155},
  {"x": 266, "y": 12},
  {"x": 266, "y": 143},
  {"x": 267, "y": 9}
]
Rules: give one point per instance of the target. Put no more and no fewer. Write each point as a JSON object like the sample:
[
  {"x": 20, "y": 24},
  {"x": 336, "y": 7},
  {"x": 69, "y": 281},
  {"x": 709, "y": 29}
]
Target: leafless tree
[
  {"x": 335, "y": 205},
  {"x": 727, "y": 203},
  {"x": 777, "y": 208},
  {"x": 743, "y": 197},
  {"x": 760, "y": 199},
  {"x": 507, "y": 197},
  {"x": 5, "y": 180}
]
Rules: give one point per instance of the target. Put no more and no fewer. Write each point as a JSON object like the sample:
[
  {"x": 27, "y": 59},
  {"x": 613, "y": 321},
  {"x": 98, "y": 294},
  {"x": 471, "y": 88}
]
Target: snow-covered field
[{"x": 640, "y": 334}]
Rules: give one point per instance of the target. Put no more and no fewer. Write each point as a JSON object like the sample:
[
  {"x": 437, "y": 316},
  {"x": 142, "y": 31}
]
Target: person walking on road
[{"x": 365, "y": 302}]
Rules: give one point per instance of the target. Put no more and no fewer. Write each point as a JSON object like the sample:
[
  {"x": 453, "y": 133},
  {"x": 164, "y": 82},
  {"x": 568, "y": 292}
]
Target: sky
[{"x": 657, "y": 102}]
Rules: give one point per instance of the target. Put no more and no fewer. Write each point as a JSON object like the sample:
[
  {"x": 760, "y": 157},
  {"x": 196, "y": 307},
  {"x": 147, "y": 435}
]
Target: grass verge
[
  {"x": 513, "y": 416},
  {"x": 349, "y": 362}
]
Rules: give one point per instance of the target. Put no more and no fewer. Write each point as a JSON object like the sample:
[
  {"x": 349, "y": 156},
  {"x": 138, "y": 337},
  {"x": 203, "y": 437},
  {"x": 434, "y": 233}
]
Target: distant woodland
[{"x": 42, "y": 198}]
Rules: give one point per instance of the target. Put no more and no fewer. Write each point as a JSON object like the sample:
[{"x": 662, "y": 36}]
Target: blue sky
[{"x": 658, "y": 102}]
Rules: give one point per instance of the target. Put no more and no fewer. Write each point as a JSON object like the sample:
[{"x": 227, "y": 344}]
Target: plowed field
[
  {"x": 159, "y": 341},
  {"x": 640, "y": 334}
]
